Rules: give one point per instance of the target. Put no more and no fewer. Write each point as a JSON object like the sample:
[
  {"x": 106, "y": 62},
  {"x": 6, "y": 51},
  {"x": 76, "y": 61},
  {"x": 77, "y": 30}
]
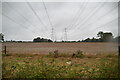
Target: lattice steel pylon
[
  {"x": 52, "y": 35},
  {"x": 65, "y": 35}
]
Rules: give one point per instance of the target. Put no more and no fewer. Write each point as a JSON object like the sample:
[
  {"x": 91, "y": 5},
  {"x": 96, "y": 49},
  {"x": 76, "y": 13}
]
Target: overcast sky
[{"x": 25, "y": 21}]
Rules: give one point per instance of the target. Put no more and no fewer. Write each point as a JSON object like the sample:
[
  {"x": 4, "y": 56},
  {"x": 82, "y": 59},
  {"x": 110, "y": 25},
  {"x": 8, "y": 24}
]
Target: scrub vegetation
[{"x": 56, "y": 65}]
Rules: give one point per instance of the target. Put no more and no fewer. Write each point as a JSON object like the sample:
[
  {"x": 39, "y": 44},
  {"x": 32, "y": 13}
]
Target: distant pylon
[
  {"x": 52, "y": 35},
  {"x": 65, "y": 36}
]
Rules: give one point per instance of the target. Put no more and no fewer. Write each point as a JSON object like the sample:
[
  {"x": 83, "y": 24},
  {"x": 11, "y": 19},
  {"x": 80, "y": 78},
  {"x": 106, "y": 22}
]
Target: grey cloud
[{"x": 81, "y": 19}]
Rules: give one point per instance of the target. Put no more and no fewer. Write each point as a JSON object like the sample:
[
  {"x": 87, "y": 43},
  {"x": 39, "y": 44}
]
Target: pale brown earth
[{"x": 45, "y": 48}]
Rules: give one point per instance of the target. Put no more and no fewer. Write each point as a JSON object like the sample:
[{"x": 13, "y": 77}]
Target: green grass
[{"x": 37, "y": 66}]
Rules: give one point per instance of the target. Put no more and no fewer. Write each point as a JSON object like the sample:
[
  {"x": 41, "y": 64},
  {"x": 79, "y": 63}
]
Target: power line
[
  {"x": 100, "y": 26},
  {"x": 88, "y": 17},
  {"x": 47, "y": 14},
  {"x": 26, "y": 19},
  {"x": 36, "y": 14},
  {"x": 52, "y": 32},
  {"x": 85, "y": 19},
  {"x": 109, "y": 11},
  {"x": 21, "y": 15},
  {"x": 17, "y": 23},
  {"x": 105, "y": 14},
  {"x": 108, "y": 22},
  {"x": 76, "y": 17},
  {"x": 38, "y": 17},
  {"x": 101, "y": 17},
  {"x": 14, "y": 21}
]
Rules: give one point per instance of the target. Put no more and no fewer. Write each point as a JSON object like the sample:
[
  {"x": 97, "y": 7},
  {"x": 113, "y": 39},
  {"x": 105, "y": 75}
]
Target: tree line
[
  {"x": 102, "y": 37},
  {"x": 38, "y": 39},
  {"x": 1, "y": 37}
]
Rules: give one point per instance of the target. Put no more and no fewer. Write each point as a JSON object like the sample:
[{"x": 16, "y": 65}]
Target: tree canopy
[
  {"x": 105, "y": 37},
  {"x": 1, "y": 37},
  {"x": 38, "y": 39}
]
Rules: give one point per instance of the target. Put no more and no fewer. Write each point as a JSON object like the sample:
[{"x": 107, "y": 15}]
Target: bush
[
  {"x": 54, "y": 54},
  {"x": 78, "y": 54}
]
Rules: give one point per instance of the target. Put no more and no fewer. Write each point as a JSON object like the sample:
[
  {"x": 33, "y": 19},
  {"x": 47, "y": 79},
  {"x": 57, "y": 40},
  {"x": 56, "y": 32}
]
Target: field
[
  {"x": 45, "y": 48},
  {"x": 56, "y": 60}
]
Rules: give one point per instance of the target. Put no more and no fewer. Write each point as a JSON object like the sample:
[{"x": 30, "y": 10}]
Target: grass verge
[{"x": 39, "y": 66}]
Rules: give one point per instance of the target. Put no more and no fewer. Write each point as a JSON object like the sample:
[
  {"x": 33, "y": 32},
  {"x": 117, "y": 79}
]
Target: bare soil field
[{"x": 45, "y": 48}]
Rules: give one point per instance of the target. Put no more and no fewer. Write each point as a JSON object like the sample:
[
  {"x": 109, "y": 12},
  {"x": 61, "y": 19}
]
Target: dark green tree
[
  {"x": 100, "y": 34},
  {"x": 1, "y": 37},
  {"x": 38, "y": 39},
  {"x": 105, "y": 37},
  {"x": 87, "y": 40}
]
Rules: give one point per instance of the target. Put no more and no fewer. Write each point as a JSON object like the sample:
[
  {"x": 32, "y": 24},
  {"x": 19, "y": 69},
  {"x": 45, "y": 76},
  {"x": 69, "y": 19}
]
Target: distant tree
[
  {"x": 94, "y": 40},
  {"x": 100, "y": 34},
  {"x": 50, "y": 40},
  {"x": 87, "y": 40},
  {"x": 19, "y": 41},
  {"x": 105, "y": 37},
  {"x": 78, "y": 40},
  {"x": 117, "y": 39},
  {"x": 1, "y": 37},
  {"x": 38, "y": 39},
  {"x": 63, "y": 41}
]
